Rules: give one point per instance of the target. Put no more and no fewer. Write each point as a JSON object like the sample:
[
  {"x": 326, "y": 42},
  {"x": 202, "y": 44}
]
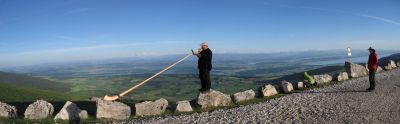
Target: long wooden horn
[{"x": 112, "y": 98}]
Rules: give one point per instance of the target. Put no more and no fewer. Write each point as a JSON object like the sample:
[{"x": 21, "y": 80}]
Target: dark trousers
[
  {"x": 204, "y": 75},
  {"x": 371, "y": 79}
]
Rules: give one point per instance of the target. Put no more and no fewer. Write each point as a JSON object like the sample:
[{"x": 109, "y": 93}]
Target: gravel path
[{"x": 345, "y": 102}]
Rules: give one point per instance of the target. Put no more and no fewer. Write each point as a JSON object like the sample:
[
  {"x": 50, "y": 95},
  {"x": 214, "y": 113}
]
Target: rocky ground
[{"x": 344, "y": 102}]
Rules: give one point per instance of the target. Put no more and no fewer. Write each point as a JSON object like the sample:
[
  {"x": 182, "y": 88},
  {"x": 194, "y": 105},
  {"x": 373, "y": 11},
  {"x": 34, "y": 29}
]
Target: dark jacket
[
  {"x": 205, "y": 60},
  {"x": 372, "y": 61}
]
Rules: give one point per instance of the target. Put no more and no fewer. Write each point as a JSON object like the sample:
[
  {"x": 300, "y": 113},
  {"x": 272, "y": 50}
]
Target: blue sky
[{"x": 40, "y": 31}]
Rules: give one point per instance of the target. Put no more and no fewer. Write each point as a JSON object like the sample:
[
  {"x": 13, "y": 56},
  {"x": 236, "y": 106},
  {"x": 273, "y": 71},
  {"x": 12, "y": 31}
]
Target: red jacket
[{"x": 372, "y": 61}]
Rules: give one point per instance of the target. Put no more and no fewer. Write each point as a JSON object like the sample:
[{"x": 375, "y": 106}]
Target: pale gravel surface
[{"x": 344, "y": 102}]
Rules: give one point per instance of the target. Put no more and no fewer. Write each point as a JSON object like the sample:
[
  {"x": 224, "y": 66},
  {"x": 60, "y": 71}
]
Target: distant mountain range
[{"x": 225, "y": 64}]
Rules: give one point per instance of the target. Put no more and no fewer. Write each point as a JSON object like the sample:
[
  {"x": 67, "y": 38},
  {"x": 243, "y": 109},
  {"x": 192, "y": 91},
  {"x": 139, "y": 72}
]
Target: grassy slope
[
  {"x": 12, "y": 93},
  {"x": 170, "y": 86},
  {"x": 34, "y": 82}
]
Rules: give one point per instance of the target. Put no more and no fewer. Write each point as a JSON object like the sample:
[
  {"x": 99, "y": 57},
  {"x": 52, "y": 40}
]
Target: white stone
[
  {"x": 342, "y": 76},
  {"x": 112, "y": 110},
  {"x": 388, "y": 67},
  {"x": 83, "y": 114},
  {"x": 322, "y": 79},
  {"x": 39, "y": 110},
  {"x": 70, "y": 111},
  {"x": 183, "y": 106},
  {"x": 379, "y": 69},
  {"x": 287, "y": 87},
  {"x": 151, "y": 108},
  {"x": 213, "y": 98},
  {"x": 299, "y": 85},
  {"x": 355, "y": 70},
  {"x": 392, "y": 64},
  {"x": 243, "y": 96},
  {"x": 7, "y": 111},
  {"x": 268, "y": 90}
]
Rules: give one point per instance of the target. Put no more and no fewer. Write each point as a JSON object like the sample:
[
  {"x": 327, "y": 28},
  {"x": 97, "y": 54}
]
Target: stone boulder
[
  {"x": 287, "y": 87},
  {"x": 112, "y": 110},
  {"x": 388, "y": 67},
  {"x": 151, "y": 108},
  {"x": 243, "y": 96},
  {"x": 392, "y": 64},
  {"x": 7, "y": 111},
  {"x": 183, "y": 106},
  {"x": 70, "y": 111},
  {"x": 341, "y": 76},
  {"x": 268, "y": 90},
  {"x": 355, "y": 70},
  {"x": 213, "y": 98},
  {"x": 299, "y": 85},
  {"x": 39, "y": 110},
  {"x": 322, "y": 79},
  {"x": 83, "y": 115},
  {"x": 398, "y": 64},
  {"x": 379, "y": 69}
]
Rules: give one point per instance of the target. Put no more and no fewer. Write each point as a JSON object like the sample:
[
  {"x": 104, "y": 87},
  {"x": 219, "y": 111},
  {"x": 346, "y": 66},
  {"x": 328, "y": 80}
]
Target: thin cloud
[
  {"x": 36, "y": 12},
  {"x": 358, "y": 14},
  {"x": 77, "y": 10},
  {"x": 277, "y": 5},
  {"x": 327, "y": 10},
  {"x": 102, "y": 46},
  {"x": 67, "y": 38},
  {"x": 338, "y": 11},
  {"x": 95, "y": 52},
  {"x": 381, "y": 19}
]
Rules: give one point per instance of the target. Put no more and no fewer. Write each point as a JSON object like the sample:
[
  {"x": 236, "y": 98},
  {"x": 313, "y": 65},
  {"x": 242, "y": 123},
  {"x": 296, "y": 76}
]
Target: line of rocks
[
  {"x": 215, "y": 98},
  {"x": 345, "y": 102},
  {"x": 41, "y": 109},
  {"x": 119, "y": 111}
]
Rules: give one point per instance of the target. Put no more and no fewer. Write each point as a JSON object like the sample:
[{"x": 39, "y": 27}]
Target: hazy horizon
[{"x": 356, "y": 53}]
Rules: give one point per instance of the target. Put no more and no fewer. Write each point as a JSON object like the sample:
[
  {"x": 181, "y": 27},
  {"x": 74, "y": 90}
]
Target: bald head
[{"x": 204, "y": 45}]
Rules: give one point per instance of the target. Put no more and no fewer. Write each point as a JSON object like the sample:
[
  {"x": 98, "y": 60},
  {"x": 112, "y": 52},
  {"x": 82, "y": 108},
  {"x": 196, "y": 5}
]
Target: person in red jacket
[{"x": 372, "y": 65}]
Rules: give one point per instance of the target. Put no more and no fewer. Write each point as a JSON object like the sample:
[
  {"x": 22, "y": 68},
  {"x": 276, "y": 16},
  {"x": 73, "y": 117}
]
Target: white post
[{"x": 349, "y": 53}]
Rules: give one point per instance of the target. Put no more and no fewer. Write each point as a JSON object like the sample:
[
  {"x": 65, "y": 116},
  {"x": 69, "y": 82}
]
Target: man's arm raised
[{"x": 197, "y": 54}]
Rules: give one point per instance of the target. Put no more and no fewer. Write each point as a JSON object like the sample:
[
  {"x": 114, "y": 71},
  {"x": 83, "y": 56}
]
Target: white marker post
[{"x": 349, "y": 53}]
